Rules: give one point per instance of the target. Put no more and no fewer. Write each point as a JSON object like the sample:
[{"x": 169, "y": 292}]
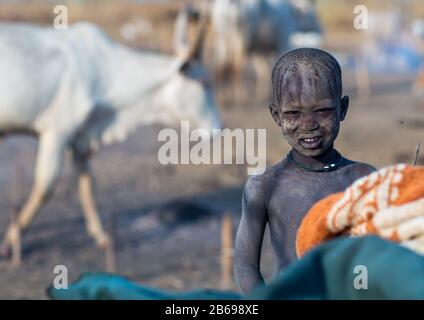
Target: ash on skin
[{"x": 308, "y": 106}]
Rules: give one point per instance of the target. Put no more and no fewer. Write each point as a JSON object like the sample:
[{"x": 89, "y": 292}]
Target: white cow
[
  {"x": 242, "y": 27},
  {"x": 76, "y": 89}
]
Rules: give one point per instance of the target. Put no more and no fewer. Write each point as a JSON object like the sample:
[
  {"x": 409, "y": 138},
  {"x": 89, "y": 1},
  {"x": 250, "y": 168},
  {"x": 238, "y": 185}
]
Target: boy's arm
[{"x": 249, "y": 237}]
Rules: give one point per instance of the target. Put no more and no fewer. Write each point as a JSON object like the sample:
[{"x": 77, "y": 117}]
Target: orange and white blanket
[{"x": 388, "y": 203}]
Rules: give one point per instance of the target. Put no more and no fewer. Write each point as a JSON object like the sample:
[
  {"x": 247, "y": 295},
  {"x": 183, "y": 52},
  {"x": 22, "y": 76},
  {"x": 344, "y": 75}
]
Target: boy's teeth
[{"x": 310, "y": 139}]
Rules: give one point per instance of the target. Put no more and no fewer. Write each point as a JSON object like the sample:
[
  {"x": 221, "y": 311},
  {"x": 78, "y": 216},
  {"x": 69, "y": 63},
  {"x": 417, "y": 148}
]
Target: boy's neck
[{"x": 318, "y": 162}]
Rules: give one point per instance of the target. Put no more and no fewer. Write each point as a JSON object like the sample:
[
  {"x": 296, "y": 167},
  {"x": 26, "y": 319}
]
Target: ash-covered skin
[{"x": 306, "y": 104}]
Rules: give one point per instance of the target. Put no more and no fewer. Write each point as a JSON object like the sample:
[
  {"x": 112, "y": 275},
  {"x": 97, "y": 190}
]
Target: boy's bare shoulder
[
  {"x": 360, "y": 168},
  {"x": 259, "y": 187}
]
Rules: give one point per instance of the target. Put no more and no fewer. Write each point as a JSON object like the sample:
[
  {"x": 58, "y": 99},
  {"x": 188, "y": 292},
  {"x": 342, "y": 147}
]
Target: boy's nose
[{"x": 310, "y": 123}]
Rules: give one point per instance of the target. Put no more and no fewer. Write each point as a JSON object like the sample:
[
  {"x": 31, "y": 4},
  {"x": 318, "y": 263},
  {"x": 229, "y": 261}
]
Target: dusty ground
[{"x": 168, "y": 219}]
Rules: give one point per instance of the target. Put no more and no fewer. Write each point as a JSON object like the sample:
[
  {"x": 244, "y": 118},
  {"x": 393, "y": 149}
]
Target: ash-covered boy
[{"x": 307, "y": 104}]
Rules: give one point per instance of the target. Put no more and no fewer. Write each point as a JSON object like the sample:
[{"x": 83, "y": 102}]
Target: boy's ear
[
  {"x": 275, "y": 112},
  {"x": 344, "y": 105}
]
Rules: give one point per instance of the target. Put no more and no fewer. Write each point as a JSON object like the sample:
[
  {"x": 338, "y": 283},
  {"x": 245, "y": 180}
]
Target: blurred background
[{"x": 168, "y": 220}]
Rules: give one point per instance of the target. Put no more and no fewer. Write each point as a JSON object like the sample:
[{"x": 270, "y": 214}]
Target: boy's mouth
[{"x": 311, "y": 143}]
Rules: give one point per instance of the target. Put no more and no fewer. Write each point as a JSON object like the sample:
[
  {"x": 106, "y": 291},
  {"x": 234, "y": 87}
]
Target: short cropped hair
[{"x": 322, "y": 65}]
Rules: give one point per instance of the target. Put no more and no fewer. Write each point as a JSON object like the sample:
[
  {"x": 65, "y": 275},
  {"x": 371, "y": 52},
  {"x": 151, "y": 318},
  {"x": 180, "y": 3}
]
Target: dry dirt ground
[{"x": 168, "y": 218}]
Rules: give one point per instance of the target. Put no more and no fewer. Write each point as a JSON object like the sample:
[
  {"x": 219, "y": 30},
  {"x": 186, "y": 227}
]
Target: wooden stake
[
  {"x": 417, "y": 153},
  {"x": 226, "y": 251},
  {"x": 111, "y": 265},
  {"x": 17, "y": 186}
]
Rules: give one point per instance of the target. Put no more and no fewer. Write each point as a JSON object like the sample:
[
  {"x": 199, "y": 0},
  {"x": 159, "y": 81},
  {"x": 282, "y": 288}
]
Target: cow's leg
[
  {"x": 47, "y": 169},
  {"x": 87, "y": 200}
]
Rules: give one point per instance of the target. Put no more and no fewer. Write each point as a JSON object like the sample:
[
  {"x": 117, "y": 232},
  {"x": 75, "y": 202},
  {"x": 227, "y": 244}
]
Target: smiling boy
[{"x": 307, "y": 104}]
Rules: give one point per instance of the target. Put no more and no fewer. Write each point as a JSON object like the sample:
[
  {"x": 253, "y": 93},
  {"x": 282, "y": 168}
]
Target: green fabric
[
  {"x": 102, "y": 286},
  {"x": 327, "y": 272}
]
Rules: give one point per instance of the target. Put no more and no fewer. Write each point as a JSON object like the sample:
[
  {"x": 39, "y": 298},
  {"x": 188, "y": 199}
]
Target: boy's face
[{"x": 310, "y": 116}]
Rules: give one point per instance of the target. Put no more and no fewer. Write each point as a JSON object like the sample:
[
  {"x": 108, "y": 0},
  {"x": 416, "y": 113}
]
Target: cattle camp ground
[{"x": 167, "y": 221}]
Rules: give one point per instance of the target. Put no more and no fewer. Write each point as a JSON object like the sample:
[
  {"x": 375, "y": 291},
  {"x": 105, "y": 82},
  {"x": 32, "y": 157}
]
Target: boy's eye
[
  {"x": 291, "y": 113},
  {"x": 325, "y": 110}
]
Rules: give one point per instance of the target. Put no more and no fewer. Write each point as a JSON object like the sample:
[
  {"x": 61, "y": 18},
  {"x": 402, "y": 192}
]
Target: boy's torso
[{"x": 292, "y": 193}]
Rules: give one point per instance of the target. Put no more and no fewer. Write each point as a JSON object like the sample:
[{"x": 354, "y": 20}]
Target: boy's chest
[{"x": 292, "y": 198}]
